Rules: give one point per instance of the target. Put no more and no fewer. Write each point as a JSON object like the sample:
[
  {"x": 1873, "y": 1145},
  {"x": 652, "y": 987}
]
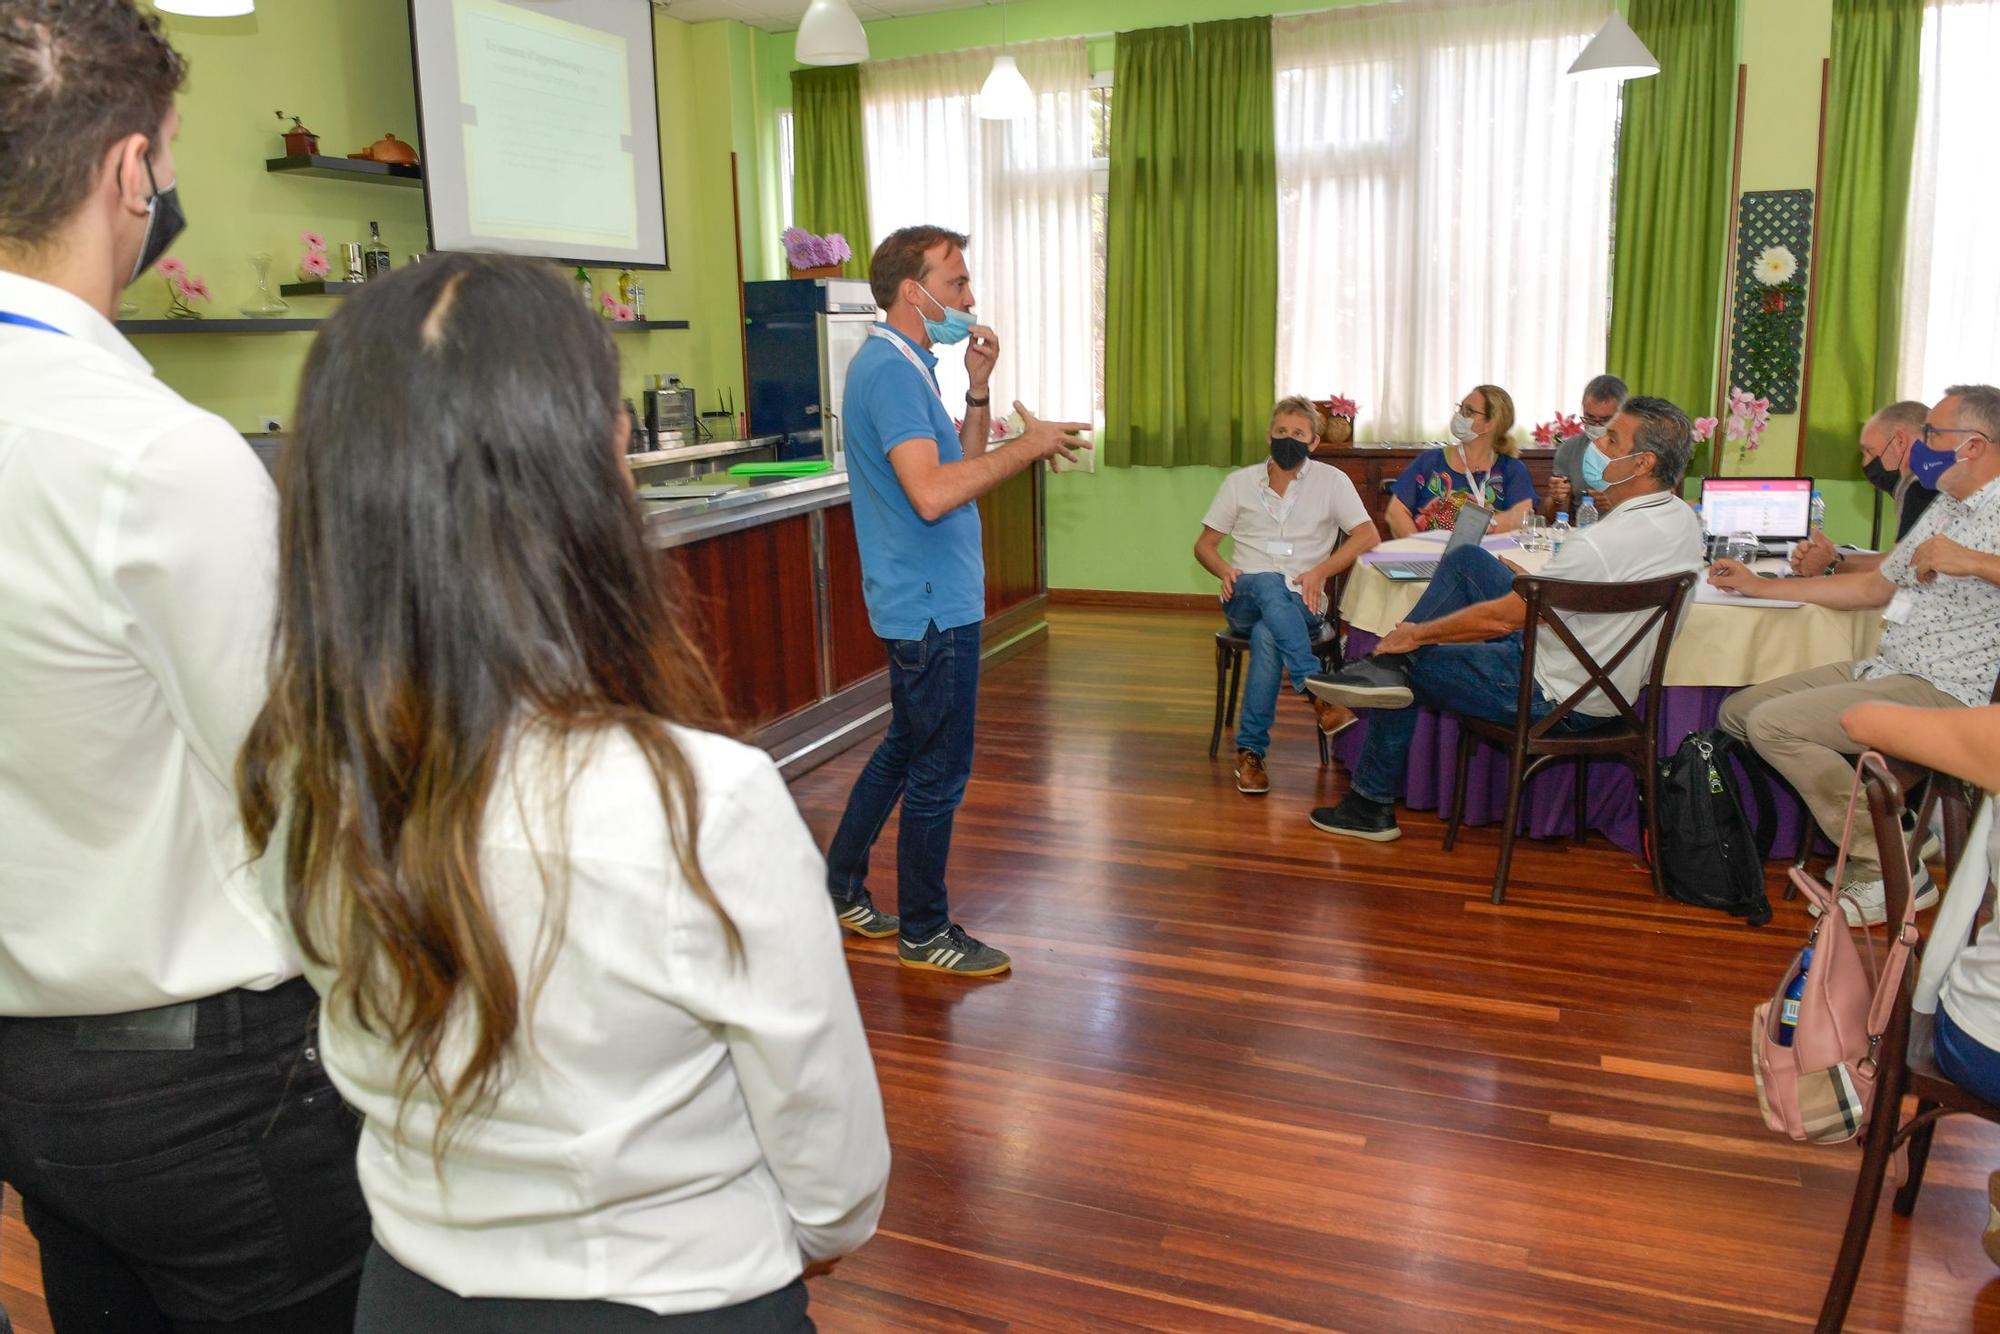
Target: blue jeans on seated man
[
  {"x": 1470, "y": 680},
  {"x": 1273, "y": 617},
  {"x": 1965, "y": 1060}
]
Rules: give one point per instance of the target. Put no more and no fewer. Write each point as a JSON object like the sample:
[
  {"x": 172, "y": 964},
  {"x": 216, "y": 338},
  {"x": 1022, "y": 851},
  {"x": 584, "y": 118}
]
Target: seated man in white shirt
[
  {"x": 1940, "y": 594},
  {"x": 1287, "y": 517},
  {"x": 1460, "y": 651}
]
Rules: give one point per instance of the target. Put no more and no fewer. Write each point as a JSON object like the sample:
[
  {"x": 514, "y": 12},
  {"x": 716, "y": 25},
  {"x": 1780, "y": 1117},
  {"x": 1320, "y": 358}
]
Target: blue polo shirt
[{"x": 912, "y": 572}]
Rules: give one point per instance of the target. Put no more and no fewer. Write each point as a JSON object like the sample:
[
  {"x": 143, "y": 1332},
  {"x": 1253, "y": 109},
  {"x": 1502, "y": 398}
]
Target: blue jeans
[
  {"x": 1965, "y": 1060},
  {"x": 1266, "y": 611},
  {"x": 1470, "y": 680},
  {"x": 924, "y": 762}
]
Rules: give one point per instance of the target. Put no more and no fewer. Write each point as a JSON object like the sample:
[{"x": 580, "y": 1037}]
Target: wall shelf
[
  {"x": 346, "y": 169},
  {"x": 216, "y": 326},
  {"x": 640, "y": 326},
  {"x": 320, "y": 287}
]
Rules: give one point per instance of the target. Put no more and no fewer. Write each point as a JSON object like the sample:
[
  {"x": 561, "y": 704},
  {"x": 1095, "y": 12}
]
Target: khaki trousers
[{"x": 1794, "y": 723}]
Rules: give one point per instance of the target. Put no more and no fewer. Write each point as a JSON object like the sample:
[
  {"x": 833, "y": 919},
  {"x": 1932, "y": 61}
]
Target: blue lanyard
[{"x": 29, "y": 322}]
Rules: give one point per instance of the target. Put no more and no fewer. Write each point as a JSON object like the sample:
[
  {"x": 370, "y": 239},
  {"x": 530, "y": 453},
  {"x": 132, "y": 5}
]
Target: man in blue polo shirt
[{"x": 914, "y": 476}]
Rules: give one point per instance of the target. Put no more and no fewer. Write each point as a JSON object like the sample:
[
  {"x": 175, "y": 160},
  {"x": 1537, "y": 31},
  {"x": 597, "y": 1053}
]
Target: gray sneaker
[
  {"x": 860, "y": 917},
  {"x": 1372, "y": 683},
  {"x": 1866, "y": 902},
  {"x": 952, "y": 951}
]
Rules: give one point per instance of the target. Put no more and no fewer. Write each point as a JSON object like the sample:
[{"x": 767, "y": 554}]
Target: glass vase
[{"x": 264, "y": 303}]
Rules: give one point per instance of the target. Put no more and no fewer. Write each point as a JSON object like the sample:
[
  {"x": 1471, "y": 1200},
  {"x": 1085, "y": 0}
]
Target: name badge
[
  {"x": 1277, "y": 548},
  {"x": 1900, "y": 606}
]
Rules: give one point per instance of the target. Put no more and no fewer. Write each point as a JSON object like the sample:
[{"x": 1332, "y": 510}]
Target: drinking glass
[
  {"x": 1532, "y": 532},
  {"x": 1743, "y": 546}
]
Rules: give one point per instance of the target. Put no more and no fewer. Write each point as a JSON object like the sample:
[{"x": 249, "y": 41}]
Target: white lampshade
[
  {"x": 829, "y": 34},
  {"x": 206, "y": 9},
  {"x": 1005, "y": 94},
  {"x": 1616, "y": 52}
]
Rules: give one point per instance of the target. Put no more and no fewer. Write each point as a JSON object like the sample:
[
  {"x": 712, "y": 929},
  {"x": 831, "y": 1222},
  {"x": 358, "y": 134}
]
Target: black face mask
[
  {"x": 1288, "y": 453},
  {"x": 1883, "y": 479},
  {"x": 163, "y": 227}
]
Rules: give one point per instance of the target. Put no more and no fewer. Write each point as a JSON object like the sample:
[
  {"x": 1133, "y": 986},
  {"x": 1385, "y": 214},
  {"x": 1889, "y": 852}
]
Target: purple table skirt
[{"x": 1548, "y": 809}]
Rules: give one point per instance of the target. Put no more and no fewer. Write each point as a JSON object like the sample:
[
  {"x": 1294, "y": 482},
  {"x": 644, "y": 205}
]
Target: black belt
[{"x": 180, "y": 1026}]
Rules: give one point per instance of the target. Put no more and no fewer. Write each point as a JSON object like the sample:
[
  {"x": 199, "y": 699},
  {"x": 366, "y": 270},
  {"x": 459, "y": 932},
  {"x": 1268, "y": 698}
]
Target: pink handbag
[{"x": 1821, "y": 1087}]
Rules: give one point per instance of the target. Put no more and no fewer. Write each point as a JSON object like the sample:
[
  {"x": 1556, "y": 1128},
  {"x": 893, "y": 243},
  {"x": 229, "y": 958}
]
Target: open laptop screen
[{"x": 1777, "y": 509}]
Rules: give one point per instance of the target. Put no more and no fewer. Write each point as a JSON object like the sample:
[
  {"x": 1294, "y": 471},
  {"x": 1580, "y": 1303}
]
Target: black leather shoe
[
  {"x": 1372, "y": 683},
  {"x": 1358, "y": 817}
]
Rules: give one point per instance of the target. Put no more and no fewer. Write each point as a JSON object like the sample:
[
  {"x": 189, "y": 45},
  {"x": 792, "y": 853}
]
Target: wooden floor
[{"x": 1246, "y": 1076}]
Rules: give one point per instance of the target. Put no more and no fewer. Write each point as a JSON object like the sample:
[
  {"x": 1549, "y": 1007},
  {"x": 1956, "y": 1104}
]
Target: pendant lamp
[
  {"x": 1005, "y": 95},
  {"x": 829, "y": 34},
  {"x": 206, "y": 9},
  {"x": 1616, "y": 52}
]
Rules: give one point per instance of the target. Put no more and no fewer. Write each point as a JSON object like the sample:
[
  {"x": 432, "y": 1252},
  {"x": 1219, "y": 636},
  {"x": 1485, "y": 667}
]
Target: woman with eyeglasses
[
  {"x": 1482, "y": 466},
  {"x": 576, "y": 965}
]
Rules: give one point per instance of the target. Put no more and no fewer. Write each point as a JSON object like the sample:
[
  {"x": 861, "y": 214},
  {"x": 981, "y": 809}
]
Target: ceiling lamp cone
[
  {"x": 1616, "y": 53},
  {"x": 206, "y": 9},
  {"x": 1006, "y": 94},
  {"x": 829, "y": 34}
]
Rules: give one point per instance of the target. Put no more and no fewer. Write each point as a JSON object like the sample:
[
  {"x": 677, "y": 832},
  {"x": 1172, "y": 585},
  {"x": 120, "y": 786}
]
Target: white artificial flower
[{"x": 1776, "y": 265}]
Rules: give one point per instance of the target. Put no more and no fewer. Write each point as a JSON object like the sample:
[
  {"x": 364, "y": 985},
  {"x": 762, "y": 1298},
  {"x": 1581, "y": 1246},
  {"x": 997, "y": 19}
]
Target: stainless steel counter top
[
  {"x": 693, "y": 453},
  {"x": 673, "y": 523}
]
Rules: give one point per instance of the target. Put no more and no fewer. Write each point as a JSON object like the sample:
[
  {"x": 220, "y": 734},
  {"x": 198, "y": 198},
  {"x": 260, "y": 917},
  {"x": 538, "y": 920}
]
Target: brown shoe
[
  {"x": 1333, "y": 718},
  {"x": 1250, "y": 776}
]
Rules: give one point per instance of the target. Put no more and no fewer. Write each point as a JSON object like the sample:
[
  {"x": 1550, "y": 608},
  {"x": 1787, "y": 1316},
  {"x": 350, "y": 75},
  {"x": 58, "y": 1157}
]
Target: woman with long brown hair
[{"x": 578, "y": 971}]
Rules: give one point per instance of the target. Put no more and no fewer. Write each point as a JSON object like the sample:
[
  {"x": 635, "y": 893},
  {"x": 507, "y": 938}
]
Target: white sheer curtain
[
  {"x": 1444, "y": 208},
  {"x": 1951, "y": 266},
  {"x": 1021, "y": 189}
]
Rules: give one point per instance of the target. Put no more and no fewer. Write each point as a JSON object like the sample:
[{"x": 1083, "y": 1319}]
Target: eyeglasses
[
  {"x": 1596, "y": 419},
  {"x": 1930, "y": 430},
  {"x": 1469, "y": 410}
]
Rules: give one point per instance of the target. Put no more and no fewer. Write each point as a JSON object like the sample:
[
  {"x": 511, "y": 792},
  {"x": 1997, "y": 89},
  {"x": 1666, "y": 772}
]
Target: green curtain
[
  {"x": 1191, "y": 284},
  {"x": 829, "y": 178},
  {"x": 1871, "y": 137},
  {"x": 1672, "y": 225}
]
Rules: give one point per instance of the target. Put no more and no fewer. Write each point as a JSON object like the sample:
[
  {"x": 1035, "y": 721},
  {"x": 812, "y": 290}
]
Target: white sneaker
[{"x": 1865, "y": 901}]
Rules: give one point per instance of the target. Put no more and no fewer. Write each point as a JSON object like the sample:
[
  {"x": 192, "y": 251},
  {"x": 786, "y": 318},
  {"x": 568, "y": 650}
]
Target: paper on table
[{"x": 1704, "y": 591}]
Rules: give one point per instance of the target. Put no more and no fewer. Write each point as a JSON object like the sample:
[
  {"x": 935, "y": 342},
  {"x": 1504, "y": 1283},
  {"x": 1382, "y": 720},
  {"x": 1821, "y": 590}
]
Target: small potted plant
[
  {"x": 299, "y": 141},
  {"x": 810, "y": 256},
  {"x": 1558, "y": 429},
  {"x": 183, "y": 288},
  {"x": 1336, "y": 425}
]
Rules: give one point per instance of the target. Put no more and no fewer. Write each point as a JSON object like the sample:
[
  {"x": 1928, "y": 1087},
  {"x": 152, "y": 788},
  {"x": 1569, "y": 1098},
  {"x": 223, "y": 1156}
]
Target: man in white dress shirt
[{"x": 181, "y": 1156}]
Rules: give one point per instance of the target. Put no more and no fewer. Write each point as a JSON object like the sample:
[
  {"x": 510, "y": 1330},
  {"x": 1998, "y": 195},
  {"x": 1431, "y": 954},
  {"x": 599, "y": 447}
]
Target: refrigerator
[{"x": 799, "y": 336}]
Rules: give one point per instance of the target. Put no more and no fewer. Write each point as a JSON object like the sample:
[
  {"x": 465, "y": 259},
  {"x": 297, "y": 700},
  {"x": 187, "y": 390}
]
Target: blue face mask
[
  {"x": 1927, "y": 465},
  {"x": 1595, "y": 461},
  {"x": 955, "y": 327}
]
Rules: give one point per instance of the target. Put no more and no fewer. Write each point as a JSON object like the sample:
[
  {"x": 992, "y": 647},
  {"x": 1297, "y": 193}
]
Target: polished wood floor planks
[{"x": 1249, "y": 1077}]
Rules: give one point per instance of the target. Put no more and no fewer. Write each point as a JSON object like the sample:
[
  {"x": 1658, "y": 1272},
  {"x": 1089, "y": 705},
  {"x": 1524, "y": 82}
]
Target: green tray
[{"x": 797, "y": 468}]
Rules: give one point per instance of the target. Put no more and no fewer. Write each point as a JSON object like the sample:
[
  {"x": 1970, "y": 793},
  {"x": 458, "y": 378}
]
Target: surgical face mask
[
  {"x": 1595, "y": 430},
  {"x": 1879, "y": 475},
  {"x": 955, "y": 327},
  {"x": 164, "y": 224},
  {"x": 1288, "y": 453},
  {"x": 1461, "y": 428},
  {"x": 1595, "y": 461}
]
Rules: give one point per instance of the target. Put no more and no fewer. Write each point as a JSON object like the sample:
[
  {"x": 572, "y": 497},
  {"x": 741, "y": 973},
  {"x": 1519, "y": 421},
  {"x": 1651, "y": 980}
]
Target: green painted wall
[{"x": 344, "y": 66}]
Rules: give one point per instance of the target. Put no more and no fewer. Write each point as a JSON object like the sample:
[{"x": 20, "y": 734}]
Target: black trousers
[
  {"x": 186, "y": 1170},
  {"x": 396, "y": 1301}
]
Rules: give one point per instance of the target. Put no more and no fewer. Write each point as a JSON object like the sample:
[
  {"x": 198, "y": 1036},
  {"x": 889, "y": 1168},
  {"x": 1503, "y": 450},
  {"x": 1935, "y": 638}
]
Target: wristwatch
[{"x": 972, "y": 402}]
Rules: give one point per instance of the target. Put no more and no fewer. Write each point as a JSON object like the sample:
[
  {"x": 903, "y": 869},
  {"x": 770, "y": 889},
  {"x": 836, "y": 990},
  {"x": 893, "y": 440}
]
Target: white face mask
[
  {"x": 1592, "y": 431},
  {"x": 1461, "y": 428}
]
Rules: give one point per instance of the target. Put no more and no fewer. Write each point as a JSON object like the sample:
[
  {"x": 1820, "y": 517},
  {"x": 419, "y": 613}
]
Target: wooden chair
[
  {"x": 1533, "y": 746},
  {"x": 1906, "y": 1067},
  {"x": 1230, "y": 649}
]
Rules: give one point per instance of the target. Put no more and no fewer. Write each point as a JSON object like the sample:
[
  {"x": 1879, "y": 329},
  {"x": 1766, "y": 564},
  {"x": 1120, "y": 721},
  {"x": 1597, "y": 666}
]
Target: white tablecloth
[{"x": 1724, "y": 640}]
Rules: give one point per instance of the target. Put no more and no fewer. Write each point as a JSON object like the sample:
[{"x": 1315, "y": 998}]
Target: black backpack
[{"x": 1710, "y": 855}]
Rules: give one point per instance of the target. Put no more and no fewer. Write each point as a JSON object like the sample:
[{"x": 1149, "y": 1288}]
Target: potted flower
[
  {"x": 810, "y": 256},
  {"x": 299, "y": 141},
  {"x": 1336, "y": 419},
  {"x": 1558, "y": 429},
  {"x": 183, "y": 288},
  {"x": 313, "y": 267}
]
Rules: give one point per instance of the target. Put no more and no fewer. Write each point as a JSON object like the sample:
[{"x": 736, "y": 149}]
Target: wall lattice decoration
[{"x": 1767, "y": 319}]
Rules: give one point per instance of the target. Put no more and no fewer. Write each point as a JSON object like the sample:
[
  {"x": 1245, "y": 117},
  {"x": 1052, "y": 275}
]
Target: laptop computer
[
  {"x": 1777, "y": 509},
  {"x": 1473, "y": 521}
]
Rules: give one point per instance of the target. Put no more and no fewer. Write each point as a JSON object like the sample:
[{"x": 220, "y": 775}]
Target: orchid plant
[
  {"x": 803, "y": 250},
  {"x": 1558, "y": 429},
  {"x": 183, "y": 288},
  {"x": 1743, "y": 422}
]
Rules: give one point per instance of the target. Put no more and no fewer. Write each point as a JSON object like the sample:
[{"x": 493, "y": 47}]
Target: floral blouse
[{"x": 1434, "y": 491}]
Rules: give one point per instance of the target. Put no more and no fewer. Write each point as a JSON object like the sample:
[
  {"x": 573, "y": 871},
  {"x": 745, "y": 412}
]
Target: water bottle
[
  {"x": 1818, "y": 519},
  {"x": 1586, "y": 514},
  {"x": 1788, "y": 1017},
  {"x": 1701, "y": 526},
  {"x": 1559, "y": 533}
]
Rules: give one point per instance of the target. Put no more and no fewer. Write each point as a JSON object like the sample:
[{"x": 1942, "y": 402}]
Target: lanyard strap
[
  {"x": 909, "y": 355},
  {"x": 30, "y": 322},
  {"x": 1478, "y": 484}
]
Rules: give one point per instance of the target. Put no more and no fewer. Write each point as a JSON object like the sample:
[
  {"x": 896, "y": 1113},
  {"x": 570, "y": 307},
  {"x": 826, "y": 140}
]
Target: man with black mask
[
  {"x": 1885, "y": 444},
  {"x": 1286, "y": 517},
  {"x": 180, "y": 1153}
]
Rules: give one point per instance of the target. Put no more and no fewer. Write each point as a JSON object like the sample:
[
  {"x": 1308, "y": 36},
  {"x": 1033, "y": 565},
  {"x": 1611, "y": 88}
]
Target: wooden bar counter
[{"x": 774, "y": 575}]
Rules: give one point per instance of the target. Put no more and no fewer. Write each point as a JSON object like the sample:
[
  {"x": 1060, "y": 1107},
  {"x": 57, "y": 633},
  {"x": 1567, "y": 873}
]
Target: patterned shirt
[
  {"x": 1948, "y": 630},
  {"x": 1434, "y": 491}
]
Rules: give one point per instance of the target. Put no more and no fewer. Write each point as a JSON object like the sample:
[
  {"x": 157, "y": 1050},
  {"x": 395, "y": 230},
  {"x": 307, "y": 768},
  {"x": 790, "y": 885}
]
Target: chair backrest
[{"x": 1662, "y": 600}]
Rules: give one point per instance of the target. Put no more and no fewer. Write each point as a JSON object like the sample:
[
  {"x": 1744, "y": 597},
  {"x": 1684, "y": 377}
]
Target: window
[
  {"x": 785, "y": 159},
  {"x": 1022, "y": 189},
  {"x": 1100, "y": 218},
  {"x": 1951, "y": 271},
  {"x": 1444, "y": 198}
]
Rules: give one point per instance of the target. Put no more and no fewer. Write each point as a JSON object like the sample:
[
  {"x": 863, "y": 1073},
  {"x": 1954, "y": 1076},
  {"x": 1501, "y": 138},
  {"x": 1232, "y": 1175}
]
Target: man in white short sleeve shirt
[{"x": 1287, "y": 517}]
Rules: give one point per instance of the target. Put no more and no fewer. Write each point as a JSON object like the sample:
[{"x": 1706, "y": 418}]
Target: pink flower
[
  {"x": 609, "y": 301},
  {"x": 1704, "y": 427},
  {"x": 313, "y": 240},
  {"x": 622, "y": 312},
  {"x": 197, "y": 289},
  {"x": 172, "y": 267},
  {"x": 314, "y": 264}
]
